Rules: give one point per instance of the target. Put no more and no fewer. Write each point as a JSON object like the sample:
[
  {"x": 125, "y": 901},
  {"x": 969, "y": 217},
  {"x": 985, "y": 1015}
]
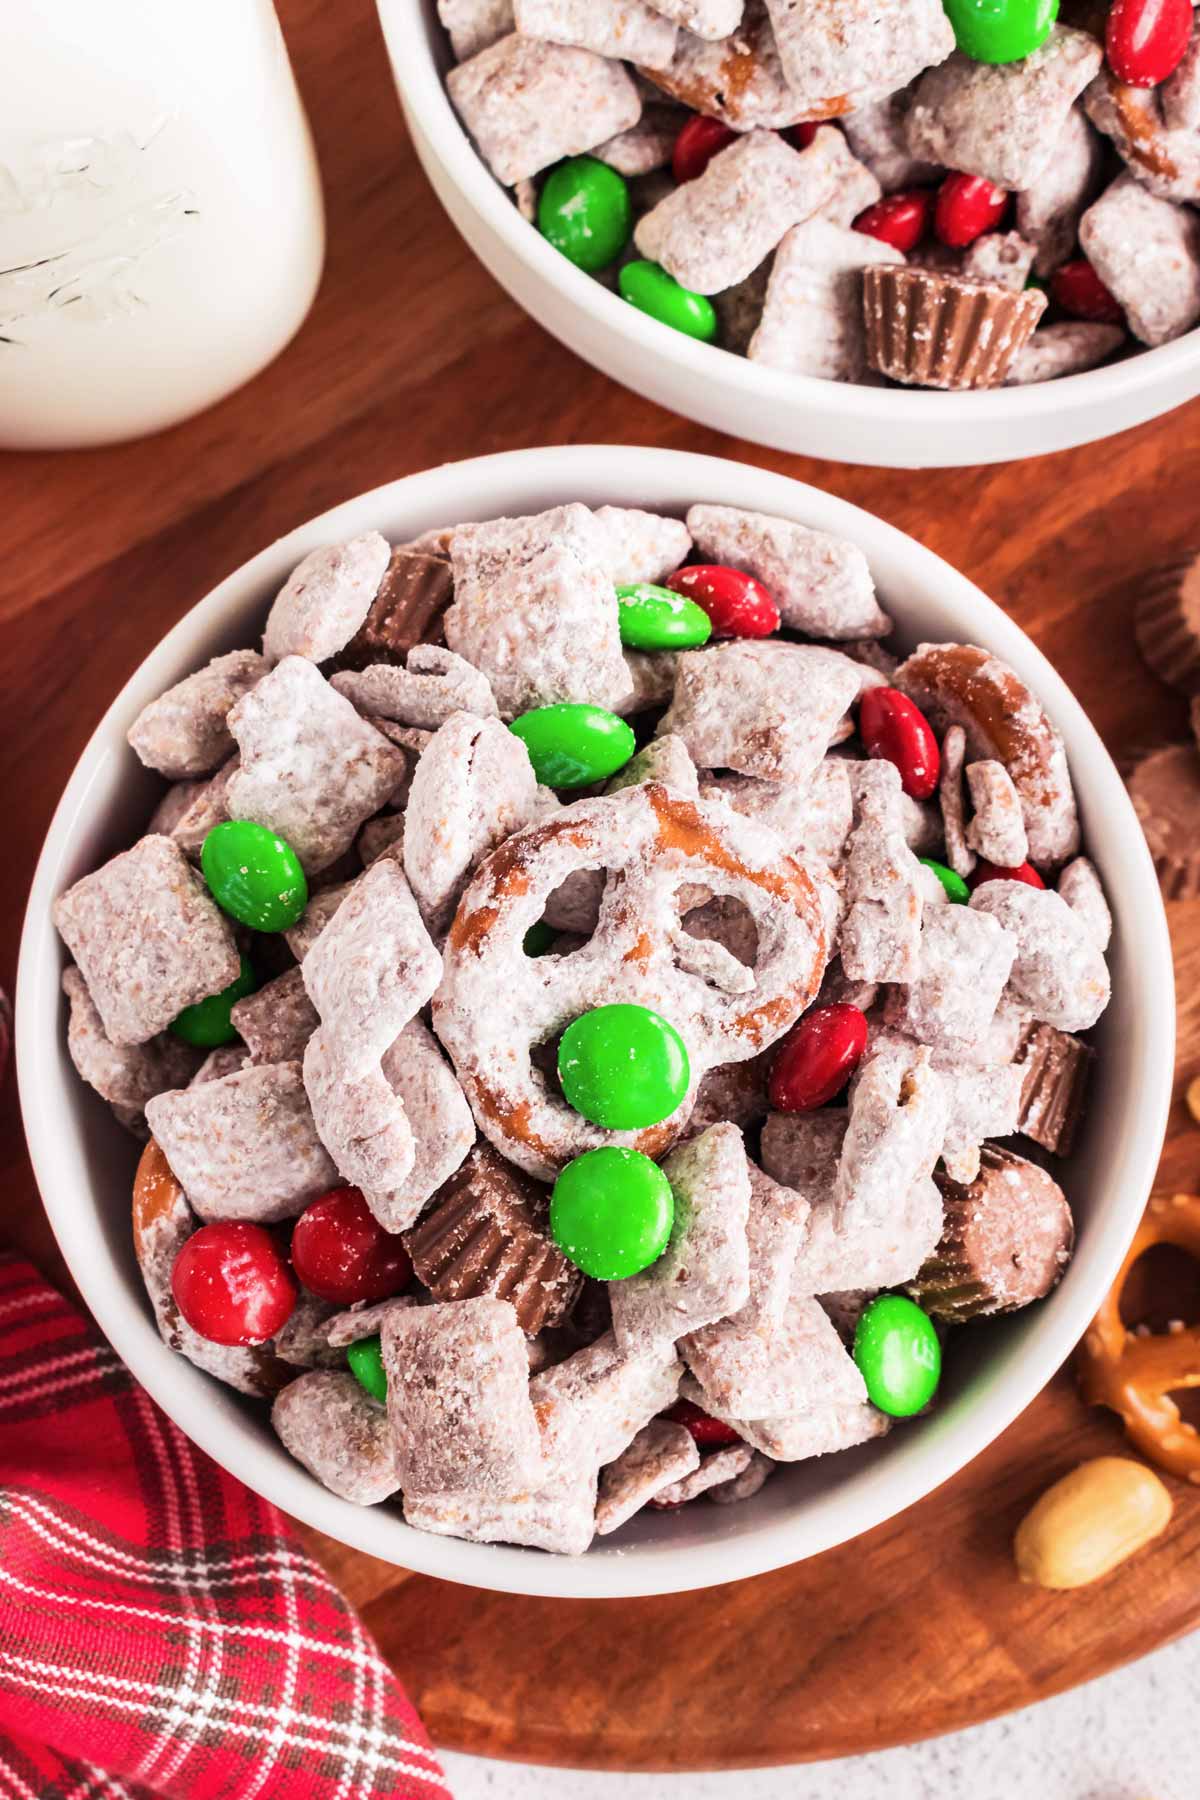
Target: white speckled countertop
[{"x": 1135, "y": 1735}]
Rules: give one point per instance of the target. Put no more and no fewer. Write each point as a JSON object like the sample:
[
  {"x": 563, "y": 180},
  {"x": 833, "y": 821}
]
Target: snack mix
[
  {"x": 599, "y": 1019},
  {"x": 946, "y": 194}
]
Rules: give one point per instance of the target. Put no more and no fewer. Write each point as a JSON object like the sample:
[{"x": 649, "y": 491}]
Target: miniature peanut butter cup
[
  {"x": 407, "y": 610},
  {"x": 926, "y": 328},
  {"x": 1054, "y": 1089},
  {"x": 1006, "y": 1240},
  {"x": 487, "y": 1234},
  {"x": 1166, "y": 623},
  {"x": 1165, "y": 790}
]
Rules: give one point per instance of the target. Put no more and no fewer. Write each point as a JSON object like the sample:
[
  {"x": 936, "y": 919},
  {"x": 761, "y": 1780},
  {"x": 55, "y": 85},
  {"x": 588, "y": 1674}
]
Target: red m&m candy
[
  {"x": 1144, "y": 40},
  {"x": 900, "y": 220},
  {"x": 894, "y": 727},
  {"x": 698, "y": 142},
  {"x": 986, "y": 871},
  {"x": 803, "y": 134},
  {"x": 1076, "y": 287},
  {"x": 817, "y": 1058},
  {"x": 231, "y": 1284},
  {"x": 737, "y": 604},
  {"x": 709, "y": 1433},
  {"x": 966, "y": 207},
  {"x": 342, "y": 1254}
]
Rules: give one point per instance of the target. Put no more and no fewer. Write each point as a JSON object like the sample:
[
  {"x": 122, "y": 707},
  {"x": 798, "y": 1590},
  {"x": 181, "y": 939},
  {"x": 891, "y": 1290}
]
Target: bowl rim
[
  {"x": 423, "y": 93},
  {"x": 217, "y": 1421}
]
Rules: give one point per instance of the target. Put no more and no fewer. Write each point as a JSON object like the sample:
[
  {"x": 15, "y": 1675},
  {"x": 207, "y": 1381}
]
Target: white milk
[{"x": 161, "y": 228}]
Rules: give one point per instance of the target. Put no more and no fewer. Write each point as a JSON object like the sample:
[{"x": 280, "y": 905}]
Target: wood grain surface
[{"x": 412, "y": 356}]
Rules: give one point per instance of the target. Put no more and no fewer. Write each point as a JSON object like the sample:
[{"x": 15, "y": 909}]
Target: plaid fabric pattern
[{"x": 162, "y": 1633}]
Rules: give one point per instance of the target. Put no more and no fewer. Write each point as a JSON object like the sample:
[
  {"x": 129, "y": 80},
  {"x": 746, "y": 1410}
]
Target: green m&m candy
[
  {"x": 366, "y": 1365},
  {"x": 657, "y": 618},
  {"x": 253, "y": 875},
  {"x": 584, "y": 211},
  {"x": 623, "y": 1067},
  {"x": 898, "y": 1355},
  {"x": 649, "y": 288},
  {"x": 1000, "y": 31},
  {"x": 611, "y": 1212},
  {"x": 538, "y": 939},
  {"x": 207, "y": 1023},
  {"x": 956, "y": 888},
  {"x": 573, "y": 744}
]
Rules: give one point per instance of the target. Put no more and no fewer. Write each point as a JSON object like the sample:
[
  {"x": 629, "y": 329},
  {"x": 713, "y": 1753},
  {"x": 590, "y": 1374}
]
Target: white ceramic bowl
[
  {"x": 892, "y": 427},
  {"x": 85, "y": 1163}
]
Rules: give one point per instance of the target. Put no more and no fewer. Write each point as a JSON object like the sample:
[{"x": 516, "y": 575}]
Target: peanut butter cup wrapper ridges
[
  {"x": 1166, "y": 623},
  {"x": 1165, "y": 790},
  {"x": 929, "y": 329}
]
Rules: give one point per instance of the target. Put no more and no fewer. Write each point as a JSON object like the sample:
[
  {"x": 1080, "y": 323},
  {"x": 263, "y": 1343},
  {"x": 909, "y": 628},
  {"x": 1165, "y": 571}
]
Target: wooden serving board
[{"x": 412, "y": 357}]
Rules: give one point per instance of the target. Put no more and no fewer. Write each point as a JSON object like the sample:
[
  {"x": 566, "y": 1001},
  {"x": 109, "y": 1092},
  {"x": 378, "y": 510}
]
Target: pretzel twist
[{"x": 1135, "y": 1375}]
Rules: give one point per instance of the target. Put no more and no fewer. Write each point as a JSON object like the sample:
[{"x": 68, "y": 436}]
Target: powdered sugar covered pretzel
[
  {"x": 325, "y": 599},
  {"x": 1059, "y": 972},
  {"x": 527, "y": 103},
  {"x": 435, "y": 684},
  {"x": 1165, "y": 159},
  {"x": 473, "y": 787},
  {"x": 184, "y": 732},
  {"x": 1003, "y": 721},
  {"x": 311, "y": 769},
  {"x": 821, "y": 583},
  {"x": 653, "y": 842}
]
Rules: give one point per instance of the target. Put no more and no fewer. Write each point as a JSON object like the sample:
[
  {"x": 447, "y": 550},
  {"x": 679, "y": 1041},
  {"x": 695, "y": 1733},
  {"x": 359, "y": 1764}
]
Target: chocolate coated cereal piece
[
  {"x": 745, "y": 1485},
  {"x": 836, "y": 54},
  {"x": 372, "y": 968},
  {"x": 739, "y": 308},
  {"x": 899, "y": 1111},
  {"x": 876, "y": 133},
  {"x": 244, "y": 1147},
  {"x": 1180, "y": 92},
  {"x": 645, "y": 147},
  {"x": 148, "y": 939},
  {"x": 440, "y": 1119},
  {"x": 458, "y": 1399},
  {"x": 436, "y": 684},
  {"x": 762, "y": 708},
  {"x": 174, "y": 804},
  {"x": 226, "y": 1059},
  {"x": 704, "y": 1272},
  {"x": 811, "y": 321},
  {"x": 535, "y": 609},
  {"x": 487, "y": 1233},
  {"x": 664, "y": 759},
  {"x": 475, "y": 25},
  {"x": 312, "y": 770},
  {"x": 821, "y": 583},
  {"x": 721, "y": 1467},
  {"x": 276, "y": 1022},
  {"x": 473, "y": 787},
  {"x": 527, "y": 103},
  {"x": 558, "y": 1516},
  {"x": 1080, "y": 886},
  {"x": 641, "y": 546},
  {"x": 381, "y": 836},
  {"x": 357, "y": 1323},
  {"x": 331, "y": 1424},
  {"x": 616, "y": 28},
  {"x": 126, "y": 1075},
  {"x": 713, "y": 231},
  {"x": 854, "y": 186},
  {"x": 819, "y": 1433},
  {"x": 184, "y": 731},
  {"x": 162, "y": 1223},
  {"x": 1146, "y": 251},
  {"x": 813, "y": 822},
  {"x": 651, "y": 675},
  {"x": 1001, "y": 258},
  {"x": 1007, "y": 1240},
  {"x": 881, "y": 931},
  {"x": 416, "y": 589},
  {"x": 1059, "y": 972},
  {"x": 315, "y": 917},
  {"x": 1054, "y": 1068},
  {"x": 738, "y": 79},
  {"x": 1067, "y": 348},
  {"x": 325, "y": 599},
  {"x": 984, "y": 1103},
  {"x": 736, "y": 1092},
  {"x": 591, "y": 1407},
  {"x": 961, "y": 973},
  {"x": 303, "y": 1341},
  {"x": 1001, "y": 120},
  {"x": 711, "y": 19},
  {"x": 1165, "y": 162},
  {"x": 997, "y": 830},
  {"x": 660, "y": 1454},
  {"x": 209, "y": 806},
  {"x": 1050, "y": 208}
]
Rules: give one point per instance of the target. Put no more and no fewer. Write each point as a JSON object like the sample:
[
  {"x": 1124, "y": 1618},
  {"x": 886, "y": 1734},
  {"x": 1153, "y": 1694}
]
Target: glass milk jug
[{"x": 161, "y": 228}]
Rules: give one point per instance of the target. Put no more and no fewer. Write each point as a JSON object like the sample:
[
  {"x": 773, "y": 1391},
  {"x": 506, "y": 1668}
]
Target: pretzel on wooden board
[
  {"x": 1136, "y": 1375},
  {"x": 495, "y": 1006}
]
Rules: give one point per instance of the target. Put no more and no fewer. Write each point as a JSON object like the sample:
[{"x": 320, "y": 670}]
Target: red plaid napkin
[{"x": 162, "y": 1633}]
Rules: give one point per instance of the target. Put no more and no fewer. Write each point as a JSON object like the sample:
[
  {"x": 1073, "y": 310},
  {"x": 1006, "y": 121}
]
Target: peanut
[{"x": 1091, "y": 1521}]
